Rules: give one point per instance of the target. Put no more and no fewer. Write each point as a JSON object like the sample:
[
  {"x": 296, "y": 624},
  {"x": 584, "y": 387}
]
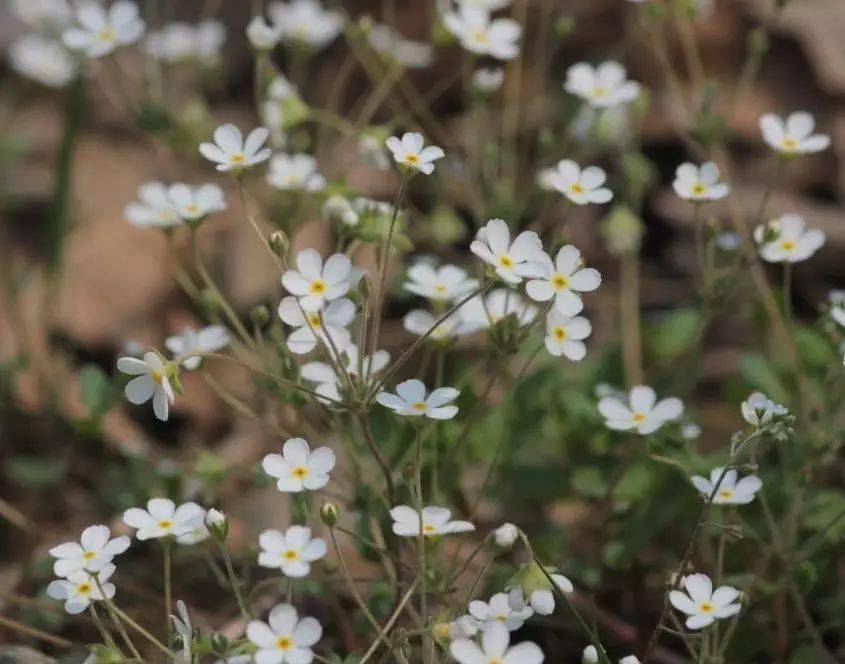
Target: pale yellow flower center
[
  {"x": 481, "y": 36},
  {"x": 165, "y": 524},
  {"x": 157, "y": 376},
  {"x": 84, "y": 588},
  {"x": 559, "y": 333},
  {"x": 698, "y": 189},
  {"x": 314, "y": 320},
  {"x": 89, "y": 555},
  {"x": 108, "y": 34},
  {"x": 441, "y": 630},
  {"x": 291, "y": 555},
  {"x": 193, "y": 208},
  {"x": 789, "y": 143},
  {"x": 439, "y": 288},
  {"x": 560, "y": 281},
  {"x": 239, "y": 158},
  {"x": 284, "y": 643},
  {"x": 412, "y": 159},
  {"x": 787, "y": 245},
  {"x": 576, "y": 188},
  {"x": 428, "y": 528},
  {"x": 420, "y": 406},
  {"x": 639, "y": 418},
  {"x": 506, "y": 261},
  {"x": 599, "y": 91},
  {"x": 300, "y": 472},
  {"x": 318, "y": 287},
  {"x": 706, "y": 607},
  {"x": 726, "y": 494}
]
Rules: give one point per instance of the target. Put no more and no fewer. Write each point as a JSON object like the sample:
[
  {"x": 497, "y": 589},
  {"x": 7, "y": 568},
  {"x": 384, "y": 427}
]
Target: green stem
[
  {"x": 166, "y": 546},
  {"x": 233, "y": 580}
]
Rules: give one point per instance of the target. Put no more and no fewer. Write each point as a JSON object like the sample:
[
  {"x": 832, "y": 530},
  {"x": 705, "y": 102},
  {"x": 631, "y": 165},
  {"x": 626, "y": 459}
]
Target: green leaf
[
  {"x": 588, "y": 481},
  {"x": 761, "y": 374},
  {"x": 94, "y": 390},
  {"x": 675, "y": 334}
]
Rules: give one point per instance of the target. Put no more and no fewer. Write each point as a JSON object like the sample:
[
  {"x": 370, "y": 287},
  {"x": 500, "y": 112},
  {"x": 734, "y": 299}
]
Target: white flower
[
  {"x": 297, "y": 468},
  {"x": 179, "y": 42},
  {"x": 564, "y": 280},
  {"x": 730, "y": 491},
  {"x": 488, "y": 79},
  {"x": 699, "y": 183},
  {"x": 296, "y": 172},
  {"x": 314, "y": 283},
  {"x": 630, "y": 659},
  {"x": 42, "y": 60},
  {"x": 489, "y": 5},
  {"x": 209, "y": 37},
  {"x": 642, "y": 413},
  {"x": 836, "y": 299},
  {"x": 151, "y": 382},
  {"x": 479, "y": 314},
  {"x": 328, "y": 326},
  {"x": 702, "y": 604},
  {"x": 262, "y": 36},
  {"x": 339, "y": 209},
  {"x": 44, "y": 15},
  {"x": 542, "y": 600},
  {"x": 511, "y": 261},
  {"x": 392, "y": 45},
  {"x": 410, "y": 400},
  {"x": 464, "y": 627},
  {"x": 372, "y": 152},
  {"x": 792, "y": 242},
  {"x": 793, "y": 137},
  {"x": 281, "y": 88},
  {"x": 498, "y": 611},
  {"x": 506, "y": 535},
  {"x": 163, "y": 519},
  {"x": 189, "y": 347},
  {"x": 305, "y": 22},
  {"x": 155, "y": 208},
  {"x": 327, "y": 380},
  {"x": 495, "y": 649},
  {"x": 195, "y": 203},
  {"x": 214, "y": 518},
  {"x": 579, "y": 186},
  {"x": 98, "y": 31},
  {"x": 478, "y": 33},
  {"x": 79, "y": 589},
  {"x": 448, "y": 282},
  {"x": 435, "y": 522},
  {"x": 729, "y": 241},
  {"x": 292, "y": 551},
  {"x": 565, "y": 335},
  {"x": 590, "y": 655},
  {"x": 420, "y": 322},
  {"x": 690, "y": 431},
  {"x": 604, "y": 86},
  {"x": 409, "y": 151},
  {"x": 199, "y": 533},
  {"x": 759, "y": 410},
  {"x": 94, "y": 551},
  {"x": 232, "y": 153}
]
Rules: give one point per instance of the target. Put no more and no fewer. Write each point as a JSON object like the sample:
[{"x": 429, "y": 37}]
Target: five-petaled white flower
[
  {"x": 421, "y": 322},
  {"x": 448, "y": 282},
  {"x": 511, "y": 260},
  {"x": 94, "y": 551},
  {"x": 787, "y": 239},
  {"x": 482, "y": 313},
  {"x": 305, "y": 22},
  {"x": 699, "y": 183},
  {"x": 315, "y": 283},
  {"x": 195, "y": 203},
  {"x": 730, "y": 492},
  {"x": 232, "y": 153},
  {"x": 295, "y": 172},
  {"x": 479, "y": 33},
  {"x": 163, "y": 519},
  {"x": 759, "y": 410},
  {"x": 291, "y": 551},
  {"x": 155, "y": 208},
  {"x": 702, "y": 604},
  {"x": 329, "y": 325},
  {"x": 327, "y": 380},
  {"x": 81, "y": 588},
  {"x": 436, "y": 521},
  {"x": 564, "y": 280},
  {"x": 150, "y": 382},
  {"x": 579, "y": 186},
  {"x": 411, "y": 400},
  {"x": 793, "y": 137},
  {"x": 642, "y": 413},
  {"x": 297, "y": 468},
  {"x": 409, "y": 151},
  {"x": 604, "y": 86},
  {"x": 565, "y": 335},
  {"x": 542, "y": 600},
  {"x": 498, "y": 611},
  {"x": 99, "y": 31},
  {"x": 495, "y": 648},
  {"x": 42, "y": 60},
  {"x": 287, "y": 639},
  {"x": 189, "y": 347}
]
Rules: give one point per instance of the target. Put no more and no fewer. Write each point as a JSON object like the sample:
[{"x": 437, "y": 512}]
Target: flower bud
[
  {"x": 365, "y": 287},
  {"x": 219, "y": 643},
  {"x": 259, "y": 316},
  {"x": 330, "y": 514},
  {"x": 590, "y": 655},
  {"x": 505, "y": 535},
  {"x": 279, "y": 243},
  {"x": 217, "y": 524},
  {"x": 262, "y": 36}
]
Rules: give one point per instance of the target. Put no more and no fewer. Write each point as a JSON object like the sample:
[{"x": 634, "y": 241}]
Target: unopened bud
[
  {"x": 217, "y": 524},
  {"x": 365, "y": 287},
  {"x": 279, "y": 243},
  {"x": 259, "y": 316},
  {"x": 505, "y": 535},
  {"x": 219, "y": 643},
  {"x": 330, "y": 514},
  {"x": 590, "y": 655}
]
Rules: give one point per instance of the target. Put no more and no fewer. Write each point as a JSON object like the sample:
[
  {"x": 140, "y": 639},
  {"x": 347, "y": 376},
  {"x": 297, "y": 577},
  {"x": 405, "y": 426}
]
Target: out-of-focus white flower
[
  {"x": 199, "y": 533},
  {"x": 479, "y": 33},
  {"x": 506, "y": 535},
  {"x": 232, "y": 153},
  {"x": 45, "y": 15},
  {"x": 315, "y": 283},
  {"x": 787, "y": 239},
  {"x": 150, "y": 382},
  {"x": 565, "y": 335},
  {"x": 564, "y": 280},
  {"x": 295, "y": 172},
  {"x": 759, "y": 410},
  {"x": 79, "y": 589},
  {"x": 411, "y": 400},
  {"x": 702, "y": 604},
  {"x": 699, "y": 183},
  {"x": 729, "y": 241},
  {"x": 631, "y": 659},
  {"x": 464, "y": 627},
  {"x": 372, "y": 152},
  {"x": 328, "y": 325},
  {"x": 409, "y": 152},
  {"x": 604, "y": 86},
  {"x": 210, "y": 35},
  {"x": 94, "y": 551},
  {"x": 590, "y": 655},
  {"x": 498, "y": 611},
  {"x": 292, "y": 551},
  {"x": 305, "y": 22},
  {"x": 98, "y": 31},
  {"x": 179, "y": 42},
  {"x": 488, "y": 79},
  {"x": 643, "y": 413},
  {"x": 494, "y": 648},
  {"x": 261, "y": 35},
  {"x": 196, "y": 203},
  {"x": 579, "y": 186},
  {"x": 512, "y": 261},
  {"x": 420, "y": 322},
  {"x": 489, "y": 5},
  {"x": 392, "y": 45},
  {"x": 188, "y": 347},
  {"x": 155, "y": 209},
  {"x": 541, "y": 598},
  {"x": 436, "y": 521},
  {"x": 730, "y": 491},
  {"x": 690, "y": 431},
  {"x": 214, "y": 518},
  {"x": 836, "y": 300},
  {"x": 327, "y": 380},
  {"x": 163, "y": 519},
  {"x": 286, "y": 640},
  {"x": 495, "y": 307},
  {"x": 339, "y": 209},
  {"x": 793, "y": 137},
  {"x": 297, "y": 468},
  {"x": 448, "y": 282},
  {"x": 42, "y": 60},
  {"x": 281, "y": 88}
]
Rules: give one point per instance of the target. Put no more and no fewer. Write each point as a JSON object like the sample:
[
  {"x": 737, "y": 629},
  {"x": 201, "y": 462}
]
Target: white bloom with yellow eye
[
  {"x": 80, "y": 589},
  {"x": 411, "y": 400},
  {"x": 564, "y": 280},
  {"x": 794, "y": 136},
  {"x": 498, "y": 611},
  {"x": 154, "y": 209},
  {"x": 95, "y": 550},
  {"x": 295, "y": 172},
  {"x": 195, "y": 203},
  {"x": 482, "y": 313},
  {"x": 291, "y": 551},
  {"x": 448, "y": 282},
  {"x": 150, "y": 382},
  {"x": 232, "y": 153},
  {"x": 580, "y": 186},
  {"x": 699, "y": 183},
  {"x": 495, "y": 648},
  {"x": 436, "y": 521},
  {"x": 731, "y": 491},
  {"x": 189, "y": 347},
  {"x": 327, "y": 326},
  {"x": 42, "y": 60},
  {"x": 286, "y": 640},
  {"x": 512, "y": 261},
  {"x": 643, "y": 413},
  {"x": 305, "y": 22},
  {"x": 409, "y": 152},
  {"x": 163, "y": 519},
  {"x": 422, "y": 322},
  {"x": 99, "y": 31},
  {"x": 604, "y": 86},
  {"x": 315, "y": 283},
  {"x": 297, "y": 468},
  {"x": 788, "y": 240},
  {"x": 702, "y": 604},
  {"x": 565, "y": 336},
  {"x": 479, "y": 33}
]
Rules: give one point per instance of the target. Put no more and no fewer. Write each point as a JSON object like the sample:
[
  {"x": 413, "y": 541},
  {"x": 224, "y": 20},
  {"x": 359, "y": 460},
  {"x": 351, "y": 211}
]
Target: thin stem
[
  {"x": 233, "y": 580},
  {"x": 143, "y": 632},
  {"x": 629, "y": 305},
  {"x": 252, "y": 222},
  {"x": 377, "y": 455},
  {"x": 166, "y": 546},
  {"x": 421, "y": 562},
  {"x": 389, "y": 624}
]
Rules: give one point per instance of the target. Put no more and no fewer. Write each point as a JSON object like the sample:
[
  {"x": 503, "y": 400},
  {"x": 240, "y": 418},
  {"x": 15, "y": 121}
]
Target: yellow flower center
[
  {"x": 500, "y": 618},
  {"x": 239, "y": 158},
  {"x": 157, "y": 376},
  {"x": 726, "y": 494},
  {"x": 84, "y": 588},
  {"x": 89, "y": 555},
  {"x": 698, "y": 189},
  {"x": 300, "y": 472},
  {"x": 480, "y": 36},
  {"x": 639, "y": 418},
  {"x": 787, "y": 245},
  {"x": 314, "y": 320},
  {"x": 576, "y": 188},
  {"x": 559, "y": 333},
  {"x": 421, "y": 406},
  {"x": 706, "y": 607},
  {"x": 108, "y": 34},
  {"x": 284, "y": 643},
  {"x": 290, "y": 554},
  {"x": 439, "y": 288},
  {"x": 506, "y": 261},
  {"x": 599, "y": 91},
  {"x": 441, "y": 630},
  {"x": 412, "y": 159},
  {"x": 428, "y": 528},
  {"x": 165, "y": 524},
  {"x": 193, "y": 208},
  {"x": 318, "y": 287},
  {"x": 495, "y": 660},
  {"x": 789, "y": 143},
  {"x": 559, "y": 281}
]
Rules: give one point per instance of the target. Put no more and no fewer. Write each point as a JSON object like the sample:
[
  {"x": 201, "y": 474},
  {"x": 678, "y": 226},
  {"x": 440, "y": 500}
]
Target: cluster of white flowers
[
  {"x": 181, "y": 42},
  {"x": 163, "y": 206}
]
